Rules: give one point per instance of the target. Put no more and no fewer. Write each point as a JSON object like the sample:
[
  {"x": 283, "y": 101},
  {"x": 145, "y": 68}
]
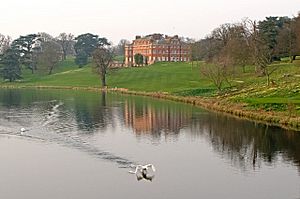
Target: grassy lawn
[
  {"x": 65, "y": 74},
  {"x": 282, "y": 95},
  {"x": 162, "y": 77}
]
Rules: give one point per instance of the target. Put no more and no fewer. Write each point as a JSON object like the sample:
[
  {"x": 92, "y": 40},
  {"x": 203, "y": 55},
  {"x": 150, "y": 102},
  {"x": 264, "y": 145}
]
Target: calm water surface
[{"x": 81, "y": 144}]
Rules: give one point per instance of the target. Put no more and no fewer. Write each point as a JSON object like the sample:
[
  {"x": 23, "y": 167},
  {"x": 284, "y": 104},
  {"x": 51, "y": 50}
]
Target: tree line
[
  {"x": 248, "y": 42},
  {"x": 224, "y": 50},
  {"x": 42, "y": 52}
]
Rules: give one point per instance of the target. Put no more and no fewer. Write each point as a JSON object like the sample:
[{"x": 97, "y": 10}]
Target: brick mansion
[{"x": 157, "y": 48}]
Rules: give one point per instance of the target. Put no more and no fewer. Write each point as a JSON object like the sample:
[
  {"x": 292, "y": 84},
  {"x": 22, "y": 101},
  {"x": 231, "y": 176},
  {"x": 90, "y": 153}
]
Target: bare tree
[
  {"x": 49, "y": 56},
  {"x": 263, "y": 60},
  {"x": 120, "y": 48},
  {"x": 4, "y": 43},
  {"x": 262, "y": 53},
  {"x": 45, "y": 37},
  {"x": 222, "y": 33},
  {"x": 102, "y": 58},
  {"x": 67, "y": 43},
  {"x": 237, "y": 48},
  {"x": 217, "y": 73}
]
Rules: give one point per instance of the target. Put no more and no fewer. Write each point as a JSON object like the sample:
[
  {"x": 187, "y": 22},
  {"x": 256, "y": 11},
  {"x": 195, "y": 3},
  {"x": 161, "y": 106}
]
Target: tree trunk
[
  {"x": 291, "y": 59},
  {"x": 294, "y": 57},
  {"x": 50, "y": 71},
  {"x": 64, "y": 55},
  {"x": 103, "y": 81},
  {"x": 103, "y": 98},
  {"x": 254, "y": 156},
  {"x": 268, "y": 79}
]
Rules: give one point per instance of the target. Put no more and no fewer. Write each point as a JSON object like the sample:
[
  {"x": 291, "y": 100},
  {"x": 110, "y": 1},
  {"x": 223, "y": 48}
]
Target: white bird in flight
[
  {"x": 143, "y": 171},
  {"x": 142, "y": 168}
]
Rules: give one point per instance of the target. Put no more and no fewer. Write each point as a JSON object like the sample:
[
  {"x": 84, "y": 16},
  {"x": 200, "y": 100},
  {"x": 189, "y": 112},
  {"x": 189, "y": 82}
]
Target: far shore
[{"x": 208, "y": 103}]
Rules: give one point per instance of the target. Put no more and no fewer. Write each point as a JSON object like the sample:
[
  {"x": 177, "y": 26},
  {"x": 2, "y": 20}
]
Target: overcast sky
[{"x": 118, "y": 19}]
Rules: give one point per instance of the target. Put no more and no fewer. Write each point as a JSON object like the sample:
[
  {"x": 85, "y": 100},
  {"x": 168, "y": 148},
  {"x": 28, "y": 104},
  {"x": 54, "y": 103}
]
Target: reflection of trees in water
[
  {"x": 93, "y": 115},
  {"x": 87, "y": 108},
  {"x": 247, "y": 144},
  {"x": 10, "y": 97},
  {"x": 148, "y": 118}
]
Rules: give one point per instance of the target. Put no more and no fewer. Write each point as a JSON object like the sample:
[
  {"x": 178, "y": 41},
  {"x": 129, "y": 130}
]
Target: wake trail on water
[{"x": 51, "y": 128}]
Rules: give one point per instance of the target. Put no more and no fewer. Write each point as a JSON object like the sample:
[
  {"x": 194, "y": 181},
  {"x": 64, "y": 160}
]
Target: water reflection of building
[{"x": 146, "y": 118}]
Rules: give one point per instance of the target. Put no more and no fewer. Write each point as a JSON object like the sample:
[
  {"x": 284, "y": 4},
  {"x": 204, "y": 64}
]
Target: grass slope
[
  {"x": 65, "y": 74},
  {"x": 160, "y": 77}
]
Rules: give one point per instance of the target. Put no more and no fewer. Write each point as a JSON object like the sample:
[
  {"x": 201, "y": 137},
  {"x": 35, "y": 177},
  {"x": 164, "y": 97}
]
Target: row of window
[
  {"x": 172, "y": 59},
  {"x": 167, "y": 47},
  {"x": 177, "y": 52},
  {"x": 160, "y": 46},
  {"x": 172, "y": 52},
  {"x": 166, "y": 59}
]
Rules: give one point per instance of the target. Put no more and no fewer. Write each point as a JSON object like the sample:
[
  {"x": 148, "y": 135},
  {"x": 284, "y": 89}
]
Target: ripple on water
[{"x": 55, "y": 126}]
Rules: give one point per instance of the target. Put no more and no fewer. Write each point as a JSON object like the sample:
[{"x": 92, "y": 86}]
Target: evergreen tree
[
  {"x": 139, "y": 59},
  {"x": 85, "y": 46},
  {"x": 24, "y": 46},
  {"x": 81, "y": 59},
  {"x": 10, "y": 65}
]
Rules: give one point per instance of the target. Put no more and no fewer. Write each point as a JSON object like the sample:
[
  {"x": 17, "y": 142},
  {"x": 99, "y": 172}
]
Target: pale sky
[{"x": 118, "y": 19}]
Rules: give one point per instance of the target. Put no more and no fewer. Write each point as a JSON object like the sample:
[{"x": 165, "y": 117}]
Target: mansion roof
[{"x": 157, "y": 38}]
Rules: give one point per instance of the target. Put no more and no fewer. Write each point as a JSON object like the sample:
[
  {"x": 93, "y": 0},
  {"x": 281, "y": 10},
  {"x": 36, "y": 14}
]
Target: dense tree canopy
[
  {"x": 269, "y": 30},
  {"x": 85, "y": 46},
  {"x": 10, "y": 66},
  {"x": 24, "y": 46}
]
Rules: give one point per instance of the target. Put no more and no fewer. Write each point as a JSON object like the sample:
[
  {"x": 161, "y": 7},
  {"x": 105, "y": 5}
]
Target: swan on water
[
  {"x": 23, "y": 130},
  {"x": 143, "y": 171}
]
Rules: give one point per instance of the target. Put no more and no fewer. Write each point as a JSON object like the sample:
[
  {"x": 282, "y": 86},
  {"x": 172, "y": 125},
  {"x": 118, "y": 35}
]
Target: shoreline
[{"x": 211, "y": 104}]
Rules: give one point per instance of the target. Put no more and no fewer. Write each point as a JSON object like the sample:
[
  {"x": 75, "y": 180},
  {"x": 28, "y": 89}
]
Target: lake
[{"x": 80, "y": 145}]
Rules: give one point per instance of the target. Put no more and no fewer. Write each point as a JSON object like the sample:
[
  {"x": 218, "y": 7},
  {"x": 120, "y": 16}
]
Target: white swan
[
  {"x": 23, "y": 130},
  {"x": 142, "y": 168},
  {"x": 142, "y": 172}
]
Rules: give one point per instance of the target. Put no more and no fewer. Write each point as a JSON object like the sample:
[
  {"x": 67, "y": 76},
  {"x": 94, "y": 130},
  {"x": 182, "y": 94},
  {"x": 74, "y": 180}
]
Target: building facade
[{"x": 157, "y": 48}]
